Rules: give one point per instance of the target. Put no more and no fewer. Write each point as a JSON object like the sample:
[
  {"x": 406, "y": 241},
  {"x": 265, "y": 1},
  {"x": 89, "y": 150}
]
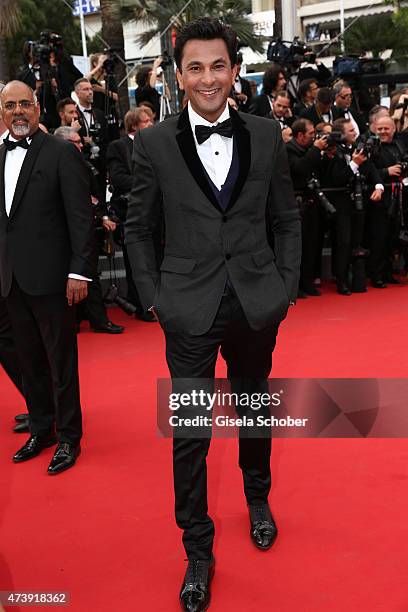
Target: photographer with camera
[
  {"x": 387, "y": 220},
  {"x": 102, "y": 79},
  {"x": 49, "y": 72},
  {"x": 120, "y": 168},
  {"x": 304, "y": 155},
  {"x": 92, "y": 307},
  {"x": 349, "y": 169},
  {"x": 146, "y": 79},
  {"x": 93, "y": 130}
]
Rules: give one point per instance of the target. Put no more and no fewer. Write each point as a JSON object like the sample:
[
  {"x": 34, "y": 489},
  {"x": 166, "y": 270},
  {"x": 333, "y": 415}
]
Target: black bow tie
[
  {"x": 87, "y": 110},
  {"x": 203, "y": 132},
  {"x": 13, "y": 144}
]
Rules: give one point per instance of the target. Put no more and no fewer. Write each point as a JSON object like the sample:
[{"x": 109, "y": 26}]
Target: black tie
[
  {"x": 87, "y": 110},
  {"x": 11, "y": 144},
  {"x": 203, "y": 132}
]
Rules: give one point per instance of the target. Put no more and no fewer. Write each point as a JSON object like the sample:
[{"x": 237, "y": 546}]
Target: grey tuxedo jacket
[{"x": 255, "y": 242}]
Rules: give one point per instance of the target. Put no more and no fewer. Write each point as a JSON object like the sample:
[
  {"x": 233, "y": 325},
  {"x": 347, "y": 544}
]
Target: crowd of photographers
[
  {"x": 348, "y": 160},
  {"x": 349, "y": 166}
]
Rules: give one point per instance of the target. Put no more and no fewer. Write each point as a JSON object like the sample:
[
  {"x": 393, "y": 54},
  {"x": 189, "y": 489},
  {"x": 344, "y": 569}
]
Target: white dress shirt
[
  {"x": 12, "y": 168},
  {"x": 216, "y": 152},
  {"x": 88, "y": 117}
]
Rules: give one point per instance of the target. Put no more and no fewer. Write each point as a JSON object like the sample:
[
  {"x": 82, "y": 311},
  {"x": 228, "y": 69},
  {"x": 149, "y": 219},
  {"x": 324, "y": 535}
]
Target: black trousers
[
  {"x": 310, "y": 243},
  {"x": 248, "y": 354},
  {"x": 45, "y": 339},
  {"x": 348, "y": 226},
  {"x": 93, "y": 308},
  {"x": 8, "y": 354}
]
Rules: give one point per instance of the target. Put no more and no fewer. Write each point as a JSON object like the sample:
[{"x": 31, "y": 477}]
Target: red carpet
[{"x": 104, "y": 531}]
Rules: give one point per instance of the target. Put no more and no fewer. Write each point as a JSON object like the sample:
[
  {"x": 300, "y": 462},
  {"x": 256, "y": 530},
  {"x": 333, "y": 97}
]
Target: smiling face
[
  {"x": 206, "y": 76},
  {"x": 20, "y": 111}
]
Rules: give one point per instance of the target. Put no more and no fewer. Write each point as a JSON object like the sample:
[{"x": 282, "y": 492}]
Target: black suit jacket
[
  {"x": 204, "y": 244},
  {"x": 339, "y": 113},
  {"x": 260, "y": 106},
  {"x": 312, "y": 114},
  {"x": 49, "y": 231},
  {"x": 120, "y": 165},
  {"x": 247, "y": 91}
]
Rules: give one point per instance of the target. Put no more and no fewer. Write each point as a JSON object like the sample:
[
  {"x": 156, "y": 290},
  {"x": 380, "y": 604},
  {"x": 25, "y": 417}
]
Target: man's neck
[{"x": 87, "y": 105}]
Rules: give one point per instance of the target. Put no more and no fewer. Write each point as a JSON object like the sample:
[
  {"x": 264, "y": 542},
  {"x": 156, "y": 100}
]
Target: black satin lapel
[
  {"x": 2, "y": 186},
  {"x": 188, "y": 150},
  {"x": 26, "y": 170},
  {"x": 244, "y": 155}
]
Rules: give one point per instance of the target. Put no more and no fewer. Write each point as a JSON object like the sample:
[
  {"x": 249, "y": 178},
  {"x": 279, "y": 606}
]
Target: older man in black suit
[
  {"x": 224, "y": 280},
  {"x": 46, "y": 244}
]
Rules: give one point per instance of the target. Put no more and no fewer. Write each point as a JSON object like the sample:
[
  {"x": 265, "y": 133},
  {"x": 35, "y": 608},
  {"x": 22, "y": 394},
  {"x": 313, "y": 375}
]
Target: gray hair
[
  {"x": 338, "y": 86},
  {"x": 65, "y": 132}
]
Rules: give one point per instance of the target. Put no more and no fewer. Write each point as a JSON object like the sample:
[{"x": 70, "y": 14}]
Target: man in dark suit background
[
  {"x": 221, "y": 283},
  {"x": 321, "y": 111},
  {"x": 242, "y": 88},
  {"x": 46, "y": 242},
  {"x": 120, "y": 168}
]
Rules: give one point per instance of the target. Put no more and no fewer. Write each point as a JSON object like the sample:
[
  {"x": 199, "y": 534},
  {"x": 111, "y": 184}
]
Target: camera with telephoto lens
[
  {"x": 404, "y": 167},
  {"x": 369, "y": 146},
  {"x": 333, "y": 138},
  {"x": 316, "y": 191},
  {"x": 357, "y": 194},
  {"x": 111, "y": 61}
]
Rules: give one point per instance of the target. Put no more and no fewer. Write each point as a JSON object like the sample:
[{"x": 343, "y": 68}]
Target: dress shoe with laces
[
  {"x": 33, "y": 447},
  {"x": 263, "y": 529},
  {"x": 109, "y": 328},
  {"x": 195, "y": 594},
  {"x": 64, "y": 457}
]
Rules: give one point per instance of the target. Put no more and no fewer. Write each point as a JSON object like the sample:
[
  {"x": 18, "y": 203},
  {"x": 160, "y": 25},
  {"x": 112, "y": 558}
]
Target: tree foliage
[
  {"x": 157, "y": 14},
  {"x": 376, "y": 33}
]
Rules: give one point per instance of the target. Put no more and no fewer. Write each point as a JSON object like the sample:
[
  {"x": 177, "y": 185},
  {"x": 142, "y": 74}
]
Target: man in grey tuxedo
[{"x": 229, "y": 272}]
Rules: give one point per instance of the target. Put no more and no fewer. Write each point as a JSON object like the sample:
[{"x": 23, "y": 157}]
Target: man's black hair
[
  {"x": 206, "y": 28},
  {"x": 271, "y": 77}
]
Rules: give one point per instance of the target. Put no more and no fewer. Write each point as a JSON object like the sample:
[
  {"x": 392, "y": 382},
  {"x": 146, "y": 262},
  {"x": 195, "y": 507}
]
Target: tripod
[{"x": 164, "y": 101}]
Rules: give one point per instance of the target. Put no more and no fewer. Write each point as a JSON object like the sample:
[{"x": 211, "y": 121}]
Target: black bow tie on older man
[
  {"x": 203, "y": 132},
  {"x": 13, "y": 144}
]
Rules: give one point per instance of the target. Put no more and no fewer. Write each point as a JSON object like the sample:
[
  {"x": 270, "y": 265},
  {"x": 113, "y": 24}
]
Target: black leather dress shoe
[
  {"x": 342, "y": 289},
  {"x": 22, "y": 426},
  {"x": 195, "y": 594},
  {"x": 64, "y": 457},
  {"x": 21, "y": 417},
  {"x": 263, "y": 529},
  {"x": 109, "y": 328},
  {"x": 310, "y": 289},
  {"x": 379, "y": 284},
  {"x": 33, "y": 447}
]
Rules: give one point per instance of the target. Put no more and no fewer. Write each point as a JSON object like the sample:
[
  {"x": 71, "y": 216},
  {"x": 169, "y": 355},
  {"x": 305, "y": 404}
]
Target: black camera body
[
  {"x": 41, "y": 49},
  {"x": 111, "y": 61},
  {"x": 369, "y": 146},
  {"x": 167, "y": 60},
  {"x": 288, "y": 53}
]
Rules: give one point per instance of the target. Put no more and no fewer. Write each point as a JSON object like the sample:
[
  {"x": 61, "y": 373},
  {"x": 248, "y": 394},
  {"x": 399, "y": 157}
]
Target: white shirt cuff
[
  {"x": 79, "y": 277},
  {"x": 379, "y": 186},
  {"x": 354, "y": 167}
]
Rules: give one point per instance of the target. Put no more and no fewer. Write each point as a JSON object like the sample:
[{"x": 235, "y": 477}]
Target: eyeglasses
[{"x": 23, "y": 104}]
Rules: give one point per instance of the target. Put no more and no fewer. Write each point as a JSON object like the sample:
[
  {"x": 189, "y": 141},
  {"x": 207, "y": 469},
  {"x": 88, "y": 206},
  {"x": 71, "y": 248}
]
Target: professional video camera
[
  {"x": 41, "y": 49},
  {"x": 316, "y": 191},
  {"x": 287, "y": 53}
]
